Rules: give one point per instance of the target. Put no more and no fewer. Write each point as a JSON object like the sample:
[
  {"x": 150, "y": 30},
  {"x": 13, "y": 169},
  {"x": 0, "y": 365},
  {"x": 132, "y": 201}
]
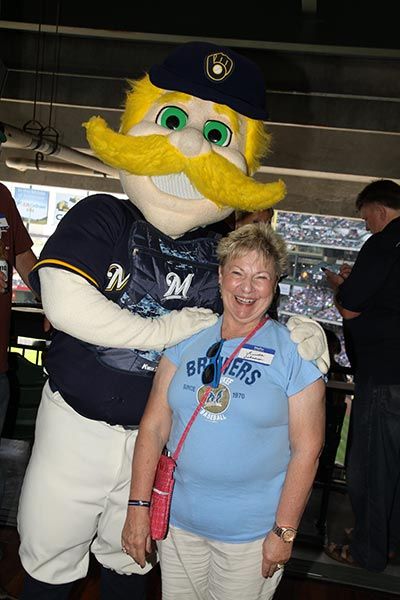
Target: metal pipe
[
  {"x": 321, "y": 174},
  {"x": 17, "y": 138},
  {"x": 22, "y": 164}
]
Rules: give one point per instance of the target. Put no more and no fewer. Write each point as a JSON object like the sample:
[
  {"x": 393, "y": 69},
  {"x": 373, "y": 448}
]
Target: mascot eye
[
  {"x": 172, "y": 117},
  {"x": 217, "y": 133}
]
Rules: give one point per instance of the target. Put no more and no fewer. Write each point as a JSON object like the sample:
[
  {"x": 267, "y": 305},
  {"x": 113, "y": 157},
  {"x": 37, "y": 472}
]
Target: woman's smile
[{"x": 244, "y": 300}]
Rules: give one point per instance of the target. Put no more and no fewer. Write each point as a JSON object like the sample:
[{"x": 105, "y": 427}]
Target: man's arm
[
  {"x": 24, "y": 263},
  {"x": 335, "y": 280},
  {"x": 358, "y": 289},
  {"x": 346, "y": 314}
]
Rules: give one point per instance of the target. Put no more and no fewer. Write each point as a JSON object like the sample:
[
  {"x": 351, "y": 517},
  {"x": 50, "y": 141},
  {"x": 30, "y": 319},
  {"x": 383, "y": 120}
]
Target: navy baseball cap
[{"x": 213, "y": 73}]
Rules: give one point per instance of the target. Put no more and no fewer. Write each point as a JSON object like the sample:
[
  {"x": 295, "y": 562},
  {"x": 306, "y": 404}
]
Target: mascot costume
[{"x": 120, "y": 280}]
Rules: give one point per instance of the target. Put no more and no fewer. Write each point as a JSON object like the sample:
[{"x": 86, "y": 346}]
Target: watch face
[{"x": 288, "y": 535}]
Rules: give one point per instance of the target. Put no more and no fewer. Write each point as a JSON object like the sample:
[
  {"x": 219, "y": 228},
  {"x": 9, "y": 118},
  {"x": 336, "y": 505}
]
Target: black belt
[{"x": 127, "y": 427}]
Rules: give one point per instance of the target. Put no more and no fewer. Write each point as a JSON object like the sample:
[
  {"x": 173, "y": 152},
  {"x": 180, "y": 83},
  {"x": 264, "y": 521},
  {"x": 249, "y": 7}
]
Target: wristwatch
[{"x": 287, "y": 534}]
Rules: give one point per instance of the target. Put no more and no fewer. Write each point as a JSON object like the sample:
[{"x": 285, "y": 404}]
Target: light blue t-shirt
[{"x": 233, "y": 463}]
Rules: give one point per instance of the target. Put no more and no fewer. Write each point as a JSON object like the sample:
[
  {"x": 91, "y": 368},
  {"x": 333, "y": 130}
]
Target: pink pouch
[{"x": 161, "y": 497}]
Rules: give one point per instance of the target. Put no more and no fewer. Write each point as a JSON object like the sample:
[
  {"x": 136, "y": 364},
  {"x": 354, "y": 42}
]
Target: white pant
[
  {"x": 74, "y": 496},
  {"x": 196, "y": 568}
]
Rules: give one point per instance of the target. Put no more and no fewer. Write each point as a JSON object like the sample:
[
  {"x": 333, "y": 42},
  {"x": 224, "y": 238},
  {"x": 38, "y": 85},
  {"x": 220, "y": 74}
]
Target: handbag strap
[{"x": 208, "y": 389}]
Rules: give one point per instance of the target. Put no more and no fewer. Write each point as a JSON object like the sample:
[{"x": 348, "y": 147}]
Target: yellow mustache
[{"x": 214, "y": 176}]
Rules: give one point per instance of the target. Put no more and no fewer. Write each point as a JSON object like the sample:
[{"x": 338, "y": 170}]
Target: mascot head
[{"x": 191, "y": 137}]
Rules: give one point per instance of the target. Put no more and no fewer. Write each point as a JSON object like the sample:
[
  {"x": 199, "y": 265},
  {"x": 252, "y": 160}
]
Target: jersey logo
[
  {"x": 216, "y": 404},
  {"x": 116, "y": 274},
  {"x": 177, "y": 289}
]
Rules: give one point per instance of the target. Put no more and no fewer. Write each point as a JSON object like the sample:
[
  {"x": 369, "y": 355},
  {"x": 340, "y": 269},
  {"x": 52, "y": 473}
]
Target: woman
[{"x": 247, "y": 466}]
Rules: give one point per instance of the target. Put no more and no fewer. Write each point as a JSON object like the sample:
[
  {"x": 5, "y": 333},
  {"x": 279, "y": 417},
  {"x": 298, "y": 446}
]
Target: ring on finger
[{"x": 280, "y": 565}]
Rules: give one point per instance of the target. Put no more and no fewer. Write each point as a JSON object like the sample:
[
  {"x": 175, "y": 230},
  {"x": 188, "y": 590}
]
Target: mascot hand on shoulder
[{"x": 191, "y": 137}]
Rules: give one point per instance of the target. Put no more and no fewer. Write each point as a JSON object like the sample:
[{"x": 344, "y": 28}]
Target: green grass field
[{"x": 341, "y": 451}]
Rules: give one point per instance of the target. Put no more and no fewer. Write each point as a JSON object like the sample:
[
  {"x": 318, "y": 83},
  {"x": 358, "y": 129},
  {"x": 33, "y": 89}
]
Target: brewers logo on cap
[
  {"x": 218, "y": 66},
  {"x": 213, "y": 73}
]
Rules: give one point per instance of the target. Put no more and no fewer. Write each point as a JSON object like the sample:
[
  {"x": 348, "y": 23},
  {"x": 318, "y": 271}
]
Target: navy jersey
[{"x": 108, "y": 242}]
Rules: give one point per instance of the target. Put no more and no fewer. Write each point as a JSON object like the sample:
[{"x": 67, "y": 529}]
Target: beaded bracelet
[{"x": 145, "y": 503}]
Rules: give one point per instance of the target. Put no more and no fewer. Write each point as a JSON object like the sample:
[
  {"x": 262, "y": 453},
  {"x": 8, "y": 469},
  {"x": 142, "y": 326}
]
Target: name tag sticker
[{"x": 257, "y": 354}]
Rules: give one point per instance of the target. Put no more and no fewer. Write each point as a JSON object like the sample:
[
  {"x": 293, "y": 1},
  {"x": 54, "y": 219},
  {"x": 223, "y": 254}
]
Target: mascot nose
[{"x": 190, "y": 142}]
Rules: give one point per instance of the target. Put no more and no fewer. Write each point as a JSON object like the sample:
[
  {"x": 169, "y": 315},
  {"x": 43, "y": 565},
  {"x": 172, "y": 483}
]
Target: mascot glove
[
  {"x": 181, "y": 324},
  {"x": 311, "y": 340}
]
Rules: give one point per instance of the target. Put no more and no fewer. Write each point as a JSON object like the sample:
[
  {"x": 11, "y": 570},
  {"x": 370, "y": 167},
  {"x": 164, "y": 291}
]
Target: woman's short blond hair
[{"x": 259, "y": 237}]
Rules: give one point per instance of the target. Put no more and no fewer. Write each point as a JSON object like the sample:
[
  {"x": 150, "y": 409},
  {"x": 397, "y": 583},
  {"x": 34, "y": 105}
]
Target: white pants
[
  {"x": 74, "y": 496},
  {"x": 196, "y": 568}
]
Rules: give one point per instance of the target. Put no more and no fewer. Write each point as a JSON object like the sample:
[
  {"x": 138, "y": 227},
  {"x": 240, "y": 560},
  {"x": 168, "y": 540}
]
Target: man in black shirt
[{"x": 368, "y": 298}]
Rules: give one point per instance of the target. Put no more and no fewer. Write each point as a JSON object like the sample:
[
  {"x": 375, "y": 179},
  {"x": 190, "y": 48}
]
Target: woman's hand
[
  {"x": 135, "y": 539},
  {"x": 276, "y": 553}
]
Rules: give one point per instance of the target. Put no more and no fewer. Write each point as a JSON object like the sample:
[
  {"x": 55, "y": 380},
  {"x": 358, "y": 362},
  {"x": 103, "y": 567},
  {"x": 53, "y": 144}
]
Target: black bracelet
[{"x": 145, "y": 503}]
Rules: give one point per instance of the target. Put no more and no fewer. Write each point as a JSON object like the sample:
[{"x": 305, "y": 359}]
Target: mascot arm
[
  {"x": 74, "y": 306},
  {"x": 311, "y": 340}
]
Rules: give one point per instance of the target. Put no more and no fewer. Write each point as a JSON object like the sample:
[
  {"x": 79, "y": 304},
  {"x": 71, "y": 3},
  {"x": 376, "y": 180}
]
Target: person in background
[
  {"x": 368, "y": 298},
  {"x": 247, "y": 466},
  {"x": 226, "y": 225},
  {"x": 15, "y": 247},
  {"x": 15, "y": 251},
  {"x": 258, "y": 216}
]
